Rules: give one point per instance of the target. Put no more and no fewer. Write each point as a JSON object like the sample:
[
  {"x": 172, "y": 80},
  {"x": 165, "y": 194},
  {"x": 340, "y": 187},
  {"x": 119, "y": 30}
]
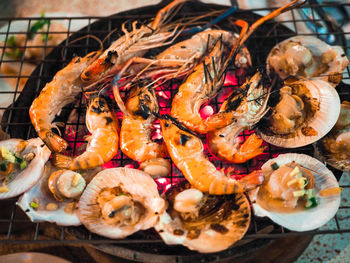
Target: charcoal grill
[{"x": 147, "y": 245}]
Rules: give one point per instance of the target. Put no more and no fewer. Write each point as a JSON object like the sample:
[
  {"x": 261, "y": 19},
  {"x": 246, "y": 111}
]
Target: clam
[
  {"x": 22, "y": 164},
  {"x": 308, "y": 57},
  {"x": 55, "y": 197},
  {"x": 119, "y": 202},
  {"x": 285, "y": 211},
  {"x": 306, "y": 111},
  {"x": 334, "y": 148},
  {"x": 202, "y": 222}
]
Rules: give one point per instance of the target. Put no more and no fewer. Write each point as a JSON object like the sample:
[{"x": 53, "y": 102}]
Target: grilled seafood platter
[
  {"x": 305, "y": 112},
  {"x": 298, "y": 193},
  {"x": 21, "y": 165},
  {"x": 334, "y": 147},
  {"x": 119, "y": 202},
  {"x": 202, "y": 222},
  {"x": 55, "y": 197},
  {"x": 307, "y": 57}
]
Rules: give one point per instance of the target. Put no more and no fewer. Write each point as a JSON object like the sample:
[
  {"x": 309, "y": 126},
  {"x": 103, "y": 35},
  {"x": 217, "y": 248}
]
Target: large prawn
[
  {"x": 207, "y": 79},
  {"x": 133, "y": 44},
  {"x": 250, "y": 101},
  {"x": 136, "y": 129},
  {"x": 186, "y": 151},
  {"x": 61, "y": 91},
  {"x": 103, "y": 142}
]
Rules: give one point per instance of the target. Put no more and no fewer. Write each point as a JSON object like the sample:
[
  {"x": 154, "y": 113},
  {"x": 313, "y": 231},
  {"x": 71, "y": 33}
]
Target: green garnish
[
  {"x": 121, "y": 194},
  {"x": 7, "y": 155},
  {"x": 11, "y": 42},
  {"x": 38, "y": 25},
  {"x": 3, "y": 167},
  {"x": 312, "y": 202},
  {"x": 23, "y": 165},
  {"x": 274, "y": 166},
  {"x": 34, "y": 205}
]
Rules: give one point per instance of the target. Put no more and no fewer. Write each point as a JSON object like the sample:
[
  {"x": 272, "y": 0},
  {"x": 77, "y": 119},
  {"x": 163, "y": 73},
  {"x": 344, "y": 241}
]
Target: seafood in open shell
[
  {"x": 202, "y": 222},
  {"x": 22, "y": 164},
  {"x": 119, "y": 202},
  {"x": 283, "y": 208},
  {"x": 308, "y": 57},
  {"x": 305, "y": 112},
  {"x": 55, "y": 197},
  {"x": 334, "y": 148}
]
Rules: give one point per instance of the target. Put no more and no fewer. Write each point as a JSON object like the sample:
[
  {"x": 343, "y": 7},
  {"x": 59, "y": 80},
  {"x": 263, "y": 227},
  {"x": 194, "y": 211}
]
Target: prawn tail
[
  {"x": 53, "y": 141},
  {"x": 249, "y": 149},
  {"x": 62, "y": 161},
  {"x": 252, "y": 180}
]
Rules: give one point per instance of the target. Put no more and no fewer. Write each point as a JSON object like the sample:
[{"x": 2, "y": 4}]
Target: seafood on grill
[
  {"x": 298, "y": 192},
  {"x": 334, "y": 148},
  {"x": 134, "y": 44},
  {"x": 61, "y": 91},
  {"x": 55, "y": 196},
  {"x": 251, "y": 100},
  {"x": 21, "y": 165},
  {"x": 305, "y": 111},
  {"x": 202, "y": 222},
  {"x": 119, "y": 202},
  {"x": 186, "y": 151},
  {"x": 208, "y": 77},
  {"x": 307, "y": 57},
  {"x": 136, "y": 128},
  {"x": 103, "y": 142}
]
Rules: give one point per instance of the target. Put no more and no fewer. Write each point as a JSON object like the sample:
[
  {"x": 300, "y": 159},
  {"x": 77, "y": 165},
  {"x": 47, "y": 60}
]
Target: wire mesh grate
[{"x": 16, "y": 228}]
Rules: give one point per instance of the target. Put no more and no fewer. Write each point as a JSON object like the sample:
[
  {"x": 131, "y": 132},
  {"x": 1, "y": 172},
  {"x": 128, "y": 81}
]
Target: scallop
[
  {"x": 41, "y": 205},
  {"x": 308, "y": 57},
  {"x": 334, "y": 148},
  {"x": 201, "y": 222},
  {"x": 119, "y": 202},
  {"x": 36, "y": 154},
  {"x": 320, "y": 109},
  {"x": 308, "y": 219}
]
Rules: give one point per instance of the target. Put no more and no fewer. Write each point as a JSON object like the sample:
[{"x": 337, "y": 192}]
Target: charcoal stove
[{"x": 147, "y": 245}]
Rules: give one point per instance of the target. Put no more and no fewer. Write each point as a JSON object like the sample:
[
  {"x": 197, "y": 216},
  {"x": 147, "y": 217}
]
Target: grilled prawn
[
  {"x": 133, "y": 44},
  {"x": 61, "y": 91},
  {"x": 206, "y": 80},
  {"x": 252, "y": 98},
  {"x": 186, "y": 151},
  {"x": 103, "y": 142}
]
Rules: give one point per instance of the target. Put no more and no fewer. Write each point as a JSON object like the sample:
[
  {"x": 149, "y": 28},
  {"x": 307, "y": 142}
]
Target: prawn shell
[
  {"x": 137, "y": 183},
  {"x": 308, "y": 219},
  {"x": 317, "y": 47},
  {"x": 209, "y": 241},
  {"x": 322, "y": 122},
  {"x": 42, "y": 193},
  {"x": 28, "y": 177}
]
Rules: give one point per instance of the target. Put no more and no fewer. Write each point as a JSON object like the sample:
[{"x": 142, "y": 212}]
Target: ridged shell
[
  {"x": 308, "y": 219},
  {"x": 31, "y": 174},
  {"x": 322, "y": 122},
  {"x": 44, "y": 196},
  {"x": 317, "y": 47},
  {"x": 137, "y": 183},
  {"x": 209, "y": 241}
]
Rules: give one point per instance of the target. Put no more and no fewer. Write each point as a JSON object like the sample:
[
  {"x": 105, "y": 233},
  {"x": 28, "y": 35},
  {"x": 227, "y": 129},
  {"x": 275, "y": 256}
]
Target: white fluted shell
[
  {"x": 323, "y": 120},
  {"x": 137, "y": 183},
  {"x": 309, "y": 47},
  {"x": 28, "y": 177},
  {"x": 307, "y": 219},
  {"x": 209, "y": 240},
  {"x": 63, "y": 216}
]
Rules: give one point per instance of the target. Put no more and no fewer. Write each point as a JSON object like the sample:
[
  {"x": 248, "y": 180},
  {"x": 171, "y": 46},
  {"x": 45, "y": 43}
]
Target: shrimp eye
[
  {"x": 166, "y": 125},
  {"x": 184, "y": 138}
]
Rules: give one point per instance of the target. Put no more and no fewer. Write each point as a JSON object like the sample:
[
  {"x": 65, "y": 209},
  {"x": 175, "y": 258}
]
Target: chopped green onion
[
  {"x": 274, "y": 166},
  {"x": 312, "y": 202},
  {"x": 121, "y": 194},
  {"x": 11, "y": 42},
  {"x": 34, "y": 205},
  {"x": 38, "y": 25},
  {"x": 298, "y": 193},
  {"x": 7, "y": 155},
  {"x": 23, "y": 165}
]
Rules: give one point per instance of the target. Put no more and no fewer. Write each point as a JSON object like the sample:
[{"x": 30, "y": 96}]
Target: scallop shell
[
  {"x": 308, "y": 219},
  {"x": 317, "y": 48},
  {"x": 42, "y": 193},
  {"x": 209, "y": 241},
  {"x": 322, "y": 122},
  {"x": 32, "y": 173},
  {"x": 139, "y": 184}
]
